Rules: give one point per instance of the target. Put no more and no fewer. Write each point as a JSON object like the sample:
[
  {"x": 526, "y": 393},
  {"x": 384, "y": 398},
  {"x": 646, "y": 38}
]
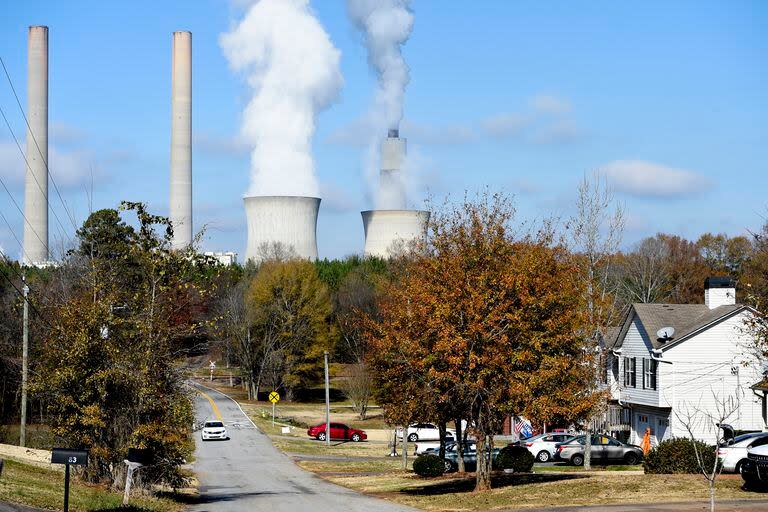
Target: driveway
[{"x": 247, "y": 473}]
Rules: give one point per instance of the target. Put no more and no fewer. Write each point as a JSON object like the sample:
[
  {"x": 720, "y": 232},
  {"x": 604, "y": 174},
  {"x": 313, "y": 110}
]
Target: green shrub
[
  {"x": 678, "y": 456},
  {"x": 516, "y": 458},
  {"x": 428, "y": 465}
]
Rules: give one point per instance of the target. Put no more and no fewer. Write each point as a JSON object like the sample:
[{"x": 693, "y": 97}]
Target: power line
[
  {"x": 26, "y": 162},
  {"x": 55, "y": 187},
  {"x": 22, "y": 212}
]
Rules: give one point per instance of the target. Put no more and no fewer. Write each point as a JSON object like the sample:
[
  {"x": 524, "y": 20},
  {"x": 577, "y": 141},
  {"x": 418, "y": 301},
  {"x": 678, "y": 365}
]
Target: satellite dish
[{"x": 665, "y": 333}]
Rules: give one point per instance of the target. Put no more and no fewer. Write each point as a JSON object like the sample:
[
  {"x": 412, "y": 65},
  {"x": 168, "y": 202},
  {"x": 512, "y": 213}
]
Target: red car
[{"x": 338, "y": 431}]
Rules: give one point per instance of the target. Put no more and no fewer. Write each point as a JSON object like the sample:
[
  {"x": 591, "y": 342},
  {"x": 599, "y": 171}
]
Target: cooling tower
[
  {"x": 36, "y": 177},
  {"x": 288, "y": 222},
  {"x": 181, "y": 140},
  {"x": 389, "y": 231}
]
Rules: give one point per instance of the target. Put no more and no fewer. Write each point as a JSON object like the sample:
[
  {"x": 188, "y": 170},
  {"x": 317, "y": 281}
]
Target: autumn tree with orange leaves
[{"x": 482, "y": 321}]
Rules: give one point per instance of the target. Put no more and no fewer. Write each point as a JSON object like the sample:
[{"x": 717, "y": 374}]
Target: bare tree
[
  {"x": 597, "y": 229},
  {"x": 645, "y": 272},
  {"x": 695, "y": 420},
  {"x": 357, "y": 387}
]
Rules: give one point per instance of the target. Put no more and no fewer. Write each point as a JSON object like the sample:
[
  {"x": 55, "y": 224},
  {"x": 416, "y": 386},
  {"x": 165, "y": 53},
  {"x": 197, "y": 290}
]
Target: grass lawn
[{"x": 43, "y": 488}]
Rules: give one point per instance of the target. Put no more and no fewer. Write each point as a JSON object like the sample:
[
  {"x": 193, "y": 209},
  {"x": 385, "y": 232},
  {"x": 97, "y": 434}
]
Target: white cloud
[
  {"x": 559, "y": 132},
  {"x": 651, "y": 180},
  {"x": 506, "y": 124},
  {"x": 69, "y": 169},
  {"x": 454, "y": 133},
  {"x": 226, "y": 146},
  {"x": 550, "y": 104},
  {"x": 65, "y": 134}
]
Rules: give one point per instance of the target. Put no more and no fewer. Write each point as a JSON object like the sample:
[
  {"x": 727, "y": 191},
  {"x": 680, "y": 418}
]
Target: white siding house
[{"x": 678, "y": 364}]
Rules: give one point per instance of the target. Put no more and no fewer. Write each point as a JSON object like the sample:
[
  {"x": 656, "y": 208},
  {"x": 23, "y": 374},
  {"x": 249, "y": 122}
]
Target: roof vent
[{"x": 665, "y": 333}]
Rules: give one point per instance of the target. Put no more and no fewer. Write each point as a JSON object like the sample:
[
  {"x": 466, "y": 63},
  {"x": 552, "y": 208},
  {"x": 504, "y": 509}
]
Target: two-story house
[{"x": 668, "y": 362}]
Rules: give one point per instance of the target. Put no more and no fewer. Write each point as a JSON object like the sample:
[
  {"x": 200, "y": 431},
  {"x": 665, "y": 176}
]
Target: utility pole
[
  {"x": 24, "y": 366},
  {"x": 327, "y": 403}
]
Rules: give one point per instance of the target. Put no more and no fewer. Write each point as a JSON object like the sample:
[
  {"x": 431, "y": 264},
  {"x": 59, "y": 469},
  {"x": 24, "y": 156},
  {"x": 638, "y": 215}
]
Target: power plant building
[
  {"x": 284, "y": 224},
  {"x": 392, "y": 228}
]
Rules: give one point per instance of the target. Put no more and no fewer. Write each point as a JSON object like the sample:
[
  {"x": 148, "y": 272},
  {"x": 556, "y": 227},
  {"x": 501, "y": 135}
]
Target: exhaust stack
[
  {"x": 181, "y": 141},
  {"x": 35, "y": 251}
]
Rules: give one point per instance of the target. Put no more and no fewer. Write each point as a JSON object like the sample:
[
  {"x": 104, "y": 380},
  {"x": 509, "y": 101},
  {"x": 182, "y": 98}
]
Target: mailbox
[
  {"x": 139, "y": 455},
  {"x": 69, "y": 457}
]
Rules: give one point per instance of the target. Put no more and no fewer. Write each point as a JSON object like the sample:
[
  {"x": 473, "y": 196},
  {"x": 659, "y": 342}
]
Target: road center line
[{"x": 213, "y": 405}]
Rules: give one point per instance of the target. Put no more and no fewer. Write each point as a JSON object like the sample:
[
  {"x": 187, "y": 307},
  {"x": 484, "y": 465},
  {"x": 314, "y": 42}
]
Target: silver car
[{"x": 605, "y": 449}]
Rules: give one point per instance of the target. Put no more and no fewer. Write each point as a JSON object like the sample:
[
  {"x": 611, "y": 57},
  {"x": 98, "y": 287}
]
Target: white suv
[
  {"x": 423, "y": 432},
  {"x": 543, "y": 446}
]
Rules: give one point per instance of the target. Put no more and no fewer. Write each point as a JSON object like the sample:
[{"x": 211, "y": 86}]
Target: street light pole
[
  {"x": 327, "y": 403},
  {"x": 24, "y": 367}
]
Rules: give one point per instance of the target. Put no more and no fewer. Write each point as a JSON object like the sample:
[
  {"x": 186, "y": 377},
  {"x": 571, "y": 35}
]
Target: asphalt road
[{"x": 247, "y": 473}]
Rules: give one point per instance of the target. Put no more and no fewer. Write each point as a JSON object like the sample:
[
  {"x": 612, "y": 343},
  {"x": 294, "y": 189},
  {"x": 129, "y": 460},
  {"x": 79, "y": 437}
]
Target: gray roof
[{"x": 684, "y": 318}]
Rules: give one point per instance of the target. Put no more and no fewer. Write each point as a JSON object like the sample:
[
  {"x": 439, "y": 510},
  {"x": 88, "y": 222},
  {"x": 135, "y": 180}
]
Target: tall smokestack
[
  {"x": 36, "y": 176},
  {"x": 181, "y": 140}
]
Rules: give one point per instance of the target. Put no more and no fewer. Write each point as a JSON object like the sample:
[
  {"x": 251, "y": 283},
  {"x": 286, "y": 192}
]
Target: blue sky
[{"x": 667, "y": 99}]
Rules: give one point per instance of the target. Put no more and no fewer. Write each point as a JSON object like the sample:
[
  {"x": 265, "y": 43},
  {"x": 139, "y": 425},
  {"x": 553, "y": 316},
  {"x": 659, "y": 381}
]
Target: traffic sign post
[
  {"x": 68, "y": 458},
  {"x": 212, "y": 366},
  {"x": 274, "y": 397}
]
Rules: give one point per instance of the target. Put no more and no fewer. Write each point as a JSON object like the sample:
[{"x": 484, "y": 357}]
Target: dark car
[
  {"x": 470, "y": 457},
  {"x": 338, "y": 431},
  {"x": 605, "y": 449}
]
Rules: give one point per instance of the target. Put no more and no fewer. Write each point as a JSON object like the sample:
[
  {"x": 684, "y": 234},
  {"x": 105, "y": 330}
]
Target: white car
[
  {"x": 543, "y": 446},
  {"x": 214, "y": 430},
  {"x": 422, "y": 447},
  {"x": 423, "y": 432},
  {"x": 735, "y": 452}
]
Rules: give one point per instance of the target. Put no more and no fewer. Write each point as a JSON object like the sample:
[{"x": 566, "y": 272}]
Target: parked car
[
  {"x": 423, "y": 432},
  {"x": 213, "y": 430},
  {"x": 543, "y": 446},
  {"x": 451, "y": 459},
  {"x": 754, "y": 470},
  {"x": 423, "y": 447},
  {"x": 604, "y": 449},
  {"x": 734, "y": 452},
  {"x": 338, "y": 431}
]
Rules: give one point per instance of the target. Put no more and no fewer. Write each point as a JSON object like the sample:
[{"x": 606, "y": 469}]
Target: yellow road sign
[{"x": 274, "y": 397}]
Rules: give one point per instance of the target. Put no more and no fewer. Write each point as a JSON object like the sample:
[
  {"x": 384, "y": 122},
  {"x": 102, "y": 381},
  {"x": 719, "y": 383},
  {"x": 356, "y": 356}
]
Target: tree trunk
[
  {"x": 460, "y": 443},
  {"x": 441, "y": 427},
  {"x": 484, "y": 443},
  {"x": 588, "y": 448},
  {"x": 712, "y": 495}
]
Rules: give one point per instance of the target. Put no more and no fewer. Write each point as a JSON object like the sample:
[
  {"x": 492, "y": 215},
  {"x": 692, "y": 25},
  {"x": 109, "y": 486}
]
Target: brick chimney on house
[{"x": 719, "y": 291}]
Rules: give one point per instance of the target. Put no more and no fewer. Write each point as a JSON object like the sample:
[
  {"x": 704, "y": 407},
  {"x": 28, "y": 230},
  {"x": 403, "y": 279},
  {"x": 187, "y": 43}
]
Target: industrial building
[{"x": 391, "y": 228}]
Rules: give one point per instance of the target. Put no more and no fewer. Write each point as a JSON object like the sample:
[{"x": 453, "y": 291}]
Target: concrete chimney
[
  {"x": 719, "y": 291},
  {"x": 391, "y": 181},
  {"x": 181, "y": 140},
  {"x": 286, "y": 224},
  {"x": 36, "y": 176}
]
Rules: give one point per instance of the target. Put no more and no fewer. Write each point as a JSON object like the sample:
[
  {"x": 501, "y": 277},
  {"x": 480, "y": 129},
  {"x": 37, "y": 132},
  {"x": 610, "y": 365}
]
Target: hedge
[
  {"x": 516, "y": 458},
  {"x": 428, "y": 465},
  {"x": 678, "y": 456}
]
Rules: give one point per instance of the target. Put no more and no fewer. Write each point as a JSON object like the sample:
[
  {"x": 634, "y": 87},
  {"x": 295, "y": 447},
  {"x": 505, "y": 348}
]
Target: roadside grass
[
  {"x": 519, "y": 492},
  {"x": 43, "y": 488},
  {"x": 579, "y": 469}
]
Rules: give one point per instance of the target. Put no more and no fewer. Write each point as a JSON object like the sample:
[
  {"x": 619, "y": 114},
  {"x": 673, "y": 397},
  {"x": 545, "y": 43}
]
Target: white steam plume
[
  {"x": 387, "y": 25},
  {"x": 293, "y": 67}
]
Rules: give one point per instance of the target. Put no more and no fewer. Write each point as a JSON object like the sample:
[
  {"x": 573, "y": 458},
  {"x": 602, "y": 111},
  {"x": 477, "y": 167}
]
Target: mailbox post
[
  {"x": 137, "y": 458},
  {"x": 68, "y": 458}
]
